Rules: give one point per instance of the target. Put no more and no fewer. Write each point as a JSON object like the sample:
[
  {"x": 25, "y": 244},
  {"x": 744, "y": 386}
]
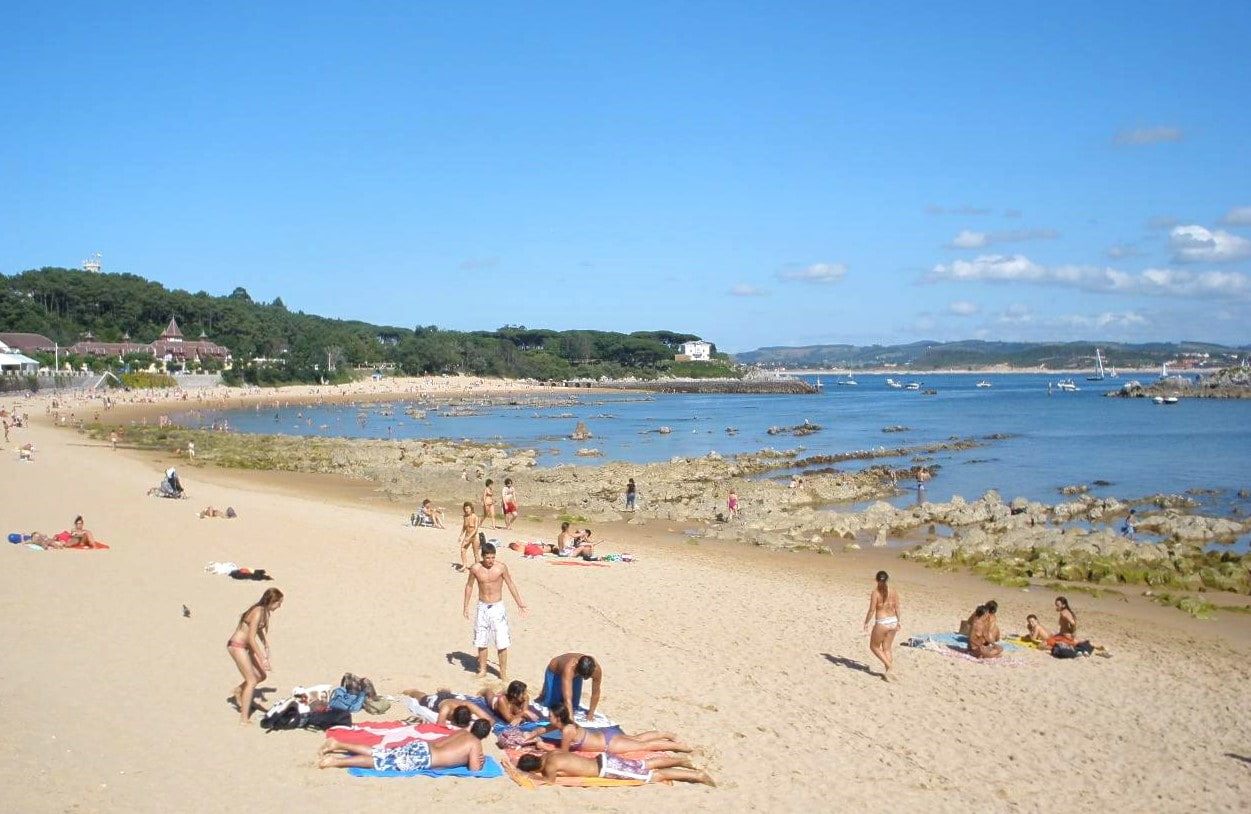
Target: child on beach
[
  {"x": 249, "y": 648},
  {"x": 732, "y": 504}
]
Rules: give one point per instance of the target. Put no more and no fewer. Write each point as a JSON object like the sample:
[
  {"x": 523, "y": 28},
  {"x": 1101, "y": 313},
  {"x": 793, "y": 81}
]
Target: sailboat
[{"x": 1099, "y": 373}]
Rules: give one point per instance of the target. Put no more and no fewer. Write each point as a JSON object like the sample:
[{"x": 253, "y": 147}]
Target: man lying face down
[
  {"x": 460, "y": 749},
  {"x": 552, "y": 765}
]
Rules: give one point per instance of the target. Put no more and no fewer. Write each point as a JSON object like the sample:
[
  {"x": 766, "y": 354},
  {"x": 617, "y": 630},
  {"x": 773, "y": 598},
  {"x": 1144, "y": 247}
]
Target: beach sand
[{"x": 116, "y": 702}]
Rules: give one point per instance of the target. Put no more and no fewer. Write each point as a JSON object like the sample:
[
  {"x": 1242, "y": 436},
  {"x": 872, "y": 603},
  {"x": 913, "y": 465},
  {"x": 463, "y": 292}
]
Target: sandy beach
[{"x": 118, "y": 702}]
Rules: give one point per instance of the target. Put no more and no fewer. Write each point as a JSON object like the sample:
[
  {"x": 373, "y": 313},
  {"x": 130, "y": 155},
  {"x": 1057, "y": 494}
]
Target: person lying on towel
[
  {"x": 463, "y": 749},
  {"x": 551, "y": 765},
  {"x": 612, "y": 740},
  {"x": 442, "y": 703}
]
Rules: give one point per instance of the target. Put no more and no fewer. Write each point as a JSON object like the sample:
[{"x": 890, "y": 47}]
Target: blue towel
[
  {"x": 953, "y": 640},
  {"x": 489, "y": 769}
]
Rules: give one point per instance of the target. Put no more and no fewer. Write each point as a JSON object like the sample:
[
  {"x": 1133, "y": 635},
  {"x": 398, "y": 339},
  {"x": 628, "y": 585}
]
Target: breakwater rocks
[
  {"x": 1230, "y": 383},
  {"x": 712, "y": 386}
]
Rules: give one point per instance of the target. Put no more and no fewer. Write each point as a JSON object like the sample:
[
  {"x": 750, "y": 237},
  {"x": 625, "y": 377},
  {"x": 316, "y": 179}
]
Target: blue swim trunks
[{"x": 410, "y": 757}]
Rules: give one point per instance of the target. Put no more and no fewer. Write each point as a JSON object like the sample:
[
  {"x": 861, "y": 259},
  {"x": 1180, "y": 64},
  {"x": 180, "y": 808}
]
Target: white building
[
  {"x": 13, "y": 362},
  {"x": 698, "y": 351}
]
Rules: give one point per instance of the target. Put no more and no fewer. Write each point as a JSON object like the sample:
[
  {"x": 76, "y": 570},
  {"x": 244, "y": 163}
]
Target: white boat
[
  {"x": 1100, "y": 375},
  {"x": 818, "y": 385},
  {"x": 912, "y": 386},
  {"x": 894, "y": 384},
  {"x": 1067, "y": 386},
  {"x": 850, "y": 381},
  {"x": 1166, "y": 399},
  {"x": 983, "y": 383}
]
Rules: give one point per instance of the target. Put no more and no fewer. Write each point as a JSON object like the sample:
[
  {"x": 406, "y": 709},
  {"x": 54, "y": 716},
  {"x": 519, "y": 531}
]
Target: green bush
[{"x": 142, "y": 380}]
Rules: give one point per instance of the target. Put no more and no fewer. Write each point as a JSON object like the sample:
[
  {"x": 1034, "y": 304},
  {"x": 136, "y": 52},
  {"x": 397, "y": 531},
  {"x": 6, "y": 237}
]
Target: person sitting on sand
[
  {"x": 1067, "y": 623},
  {"x": 885, "y": 616},
  {"x": 443, "y": 703},
  {"x": 562, "y": 682},
  {"x": 992, "y": 624},
  {"x": 82, "y": 537},
  {"x": 249, "y": 648},
  {"x": 432, "y": 513},
  {"x": 980, "y": 645},
  {"x": 210, "y": 511},
  {"x": 574, "y": 543},
  {"x": 460, "y": 749},
  {"x": 513, "y": 705},
  {"x": 1036, "y": 632},
  {"x": 553, "y": 765},
  {"x": 574, "y": 738}
]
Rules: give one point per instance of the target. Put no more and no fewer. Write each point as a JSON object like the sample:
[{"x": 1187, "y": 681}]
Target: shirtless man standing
[
  {"x": 552, "y": 765},
  {"x": 468, "y": 539},
  {"x": 461, "y": 749},
  {"x": 491, "y": 577}
]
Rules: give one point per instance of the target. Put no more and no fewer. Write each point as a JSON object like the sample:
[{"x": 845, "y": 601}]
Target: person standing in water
[
  {"x": 249, "y": 648},
  {"x": 884, "y": 616}
]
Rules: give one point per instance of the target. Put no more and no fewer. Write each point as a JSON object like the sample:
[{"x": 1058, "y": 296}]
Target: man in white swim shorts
[{"x": 492, "y": 616}]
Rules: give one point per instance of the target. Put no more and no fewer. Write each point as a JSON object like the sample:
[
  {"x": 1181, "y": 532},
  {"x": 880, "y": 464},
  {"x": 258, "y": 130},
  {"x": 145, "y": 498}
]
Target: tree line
[{"x": 66, "y": 304}]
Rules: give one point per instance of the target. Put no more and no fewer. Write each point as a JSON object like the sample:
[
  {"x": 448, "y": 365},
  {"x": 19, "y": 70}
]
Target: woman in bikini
[
  {"x": 884, "y": 614},
  {"x": 612, "y": 741},
  {"x": 249, "y": 648},
  {"x": 82, "y": 537},
  {"x": 488, "y": 503},
  {"x": 1067, "y": 624},
  {"x": 511, "y": 706}
]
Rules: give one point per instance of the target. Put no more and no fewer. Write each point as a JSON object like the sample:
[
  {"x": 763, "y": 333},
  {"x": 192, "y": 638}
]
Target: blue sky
[{"x": 756, "y": 173}]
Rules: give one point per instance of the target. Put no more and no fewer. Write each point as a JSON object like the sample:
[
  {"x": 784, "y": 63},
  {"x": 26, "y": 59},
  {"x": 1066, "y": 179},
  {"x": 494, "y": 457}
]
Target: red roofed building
[
  {"x": 28, "y": 343},
  {"x": 170, "y": 347}
]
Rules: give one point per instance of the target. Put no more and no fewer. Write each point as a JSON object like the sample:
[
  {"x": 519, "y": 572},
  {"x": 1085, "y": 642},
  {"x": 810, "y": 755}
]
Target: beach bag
[
  {"x": 1064, "y": 651},
  {"x": 1084, "y": 648},
  {"x": 345, "y": 701},
  {"x": 377, "y": 706}
]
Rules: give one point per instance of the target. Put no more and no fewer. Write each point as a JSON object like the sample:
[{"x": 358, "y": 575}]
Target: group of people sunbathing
[
  {"x": 982, "y": 630},
  {"x": 476, "y": 716}
]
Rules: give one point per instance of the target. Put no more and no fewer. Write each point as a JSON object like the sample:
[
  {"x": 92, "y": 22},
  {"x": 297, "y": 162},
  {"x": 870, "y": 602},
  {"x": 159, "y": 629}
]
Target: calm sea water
[{"x": 1056, "y": 439}]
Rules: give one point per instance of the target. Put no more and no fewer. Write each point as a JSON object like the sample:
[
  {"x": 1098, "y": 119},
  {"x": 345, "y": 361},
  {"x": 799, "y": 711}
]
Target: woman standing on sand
[
  {"x": 488, "y": 503},
  {"x": 884, "y": 614},
  {"x": 249, "y": 648}
]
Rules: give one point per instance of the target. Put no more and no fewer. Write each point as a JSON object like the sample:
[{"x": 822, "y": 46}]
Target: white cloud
[
  {"x": 962, "y": 209},
  {"x": 1156, "y": 282},
  {"x": 1139, "y": 136},
  {"x": 963, "y": 308},
  {"x": 815, "y": 273},
  {"x": 1238, "y": 216},
  {"x": 1195, "y": 244},
  {"x": 743, "y": 290},
  {"x": 968, "y": 239}
]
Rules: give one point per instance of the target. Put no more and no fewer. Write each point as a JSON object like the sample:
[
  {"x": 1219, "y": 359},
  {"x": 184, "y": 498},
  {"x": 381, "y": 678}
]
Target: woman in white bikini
[
  {"x": 884, "y": 614},
  {"x": 249, "y": 648}
]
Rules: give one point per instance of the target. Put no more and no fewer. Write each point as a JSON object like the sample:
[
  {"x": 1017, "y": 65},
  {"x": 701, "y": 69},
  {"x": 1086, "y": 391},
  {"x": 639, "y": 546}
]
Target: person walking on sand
[
  {"x": 884, "y": 614},
  {"x": 468, "y": 539},
  {"x": 113, "y": 440},
  {"x": 492, "y": 618},
  {"x": 249, "y": 648},
  {"x": 510, "y": 503},
  {"x": 631, "y": 495},
  {"x": 732, "y": 504},
  {"x": 488, "y": 503}
]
